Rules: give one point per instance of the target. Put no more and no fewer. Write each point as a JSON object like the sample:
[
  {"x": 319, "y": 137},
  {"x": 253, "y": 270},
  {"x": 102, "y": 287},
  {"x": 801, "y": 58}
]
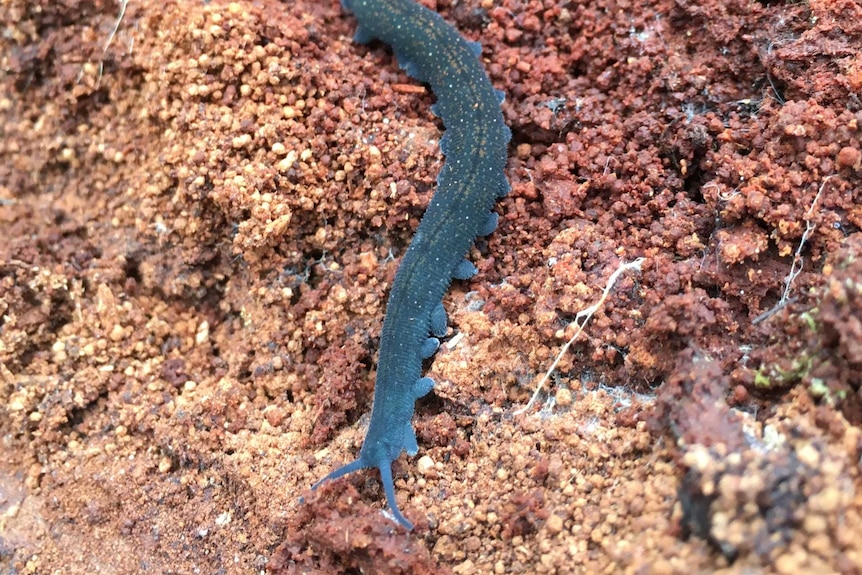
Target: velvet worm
[{"x": 472, "y": 178}]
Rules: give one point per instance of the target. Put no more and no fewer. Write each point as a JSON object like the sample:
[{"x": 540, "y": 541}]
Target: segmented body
[{"x": 472, "y": 178}]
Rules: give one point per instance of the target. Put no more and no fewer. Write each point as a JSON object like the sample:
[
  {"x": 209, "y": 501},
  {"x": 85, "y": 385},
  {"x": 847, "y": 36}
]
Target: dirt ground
[{"x": 202, "y": 209}]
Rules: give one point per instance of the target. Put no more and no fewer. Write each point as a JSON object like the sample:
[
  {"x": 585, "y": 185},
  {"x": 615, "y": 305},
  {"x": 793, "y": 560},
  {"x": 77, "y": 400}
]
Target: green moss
[
  {"x": 809, "y": 319},
  {"x": 774, "y": 376},
  {"x": 818, "y": 388},
  {"x": 820, "y": 391}
]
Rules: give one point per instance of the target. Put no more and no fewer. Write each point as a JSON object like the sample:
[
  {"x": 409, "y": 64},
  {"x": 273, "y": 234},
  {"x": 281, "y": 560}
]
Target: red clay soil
[{"x": 203, "y": 206}]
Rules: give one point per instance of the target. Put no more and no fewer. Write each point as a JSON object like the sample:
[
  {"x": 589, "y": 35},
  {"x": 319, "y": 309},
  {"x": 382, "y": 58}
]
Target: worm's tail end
[
  {"x": 389, "y": 490},
  {"x": 385, "y": 479},
  {"x": 355, "y": 465}
]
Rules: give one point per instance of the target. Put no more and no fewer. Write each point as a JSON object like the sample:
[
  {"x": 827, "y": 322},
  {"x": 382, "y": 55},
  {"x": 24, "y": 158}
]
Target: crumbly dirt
[{"x": 203, "y": 206}]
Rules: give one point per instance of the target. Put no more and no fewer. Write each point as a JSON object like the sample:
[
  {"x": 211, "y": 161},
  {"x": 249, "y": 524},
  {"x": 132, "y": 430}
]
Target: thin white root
[
  {"x": 580, "y": 321},
  {"x": 798, "y": 260},
  {"x": 123, "y": 5},
  {"x": 796, "y": 266}
]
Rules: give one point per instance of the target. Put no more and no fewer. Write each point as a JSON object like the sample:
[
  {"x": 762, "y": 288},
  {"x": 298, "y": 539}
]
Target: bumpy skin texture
[{"x": 472, "y": 178}]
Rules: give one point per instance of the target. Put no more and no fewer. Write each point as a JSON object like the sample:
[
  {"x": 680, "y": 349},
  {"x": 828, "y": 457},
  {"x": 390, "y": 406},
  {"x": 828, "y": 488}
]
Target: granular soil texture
[{"x": 203, "y": 206}]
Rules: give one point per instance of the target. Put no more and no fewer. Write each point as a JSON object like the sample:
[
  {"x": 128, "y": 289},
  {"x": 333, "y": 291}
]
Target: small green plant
[
  {"x": 775, "y": 376},
  {"x": 820, "y": 390}
]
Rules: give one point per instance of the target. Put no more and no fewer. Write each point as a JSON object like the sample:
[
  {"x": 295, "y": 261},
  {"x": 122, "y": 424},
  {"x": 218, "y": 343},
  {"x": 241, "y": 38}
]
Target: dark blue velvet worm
[{"x": 472, "y": 178}]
